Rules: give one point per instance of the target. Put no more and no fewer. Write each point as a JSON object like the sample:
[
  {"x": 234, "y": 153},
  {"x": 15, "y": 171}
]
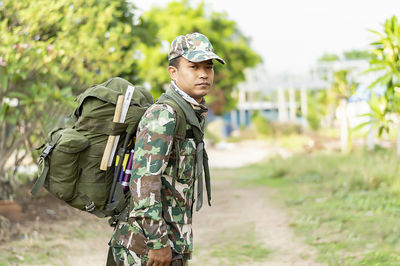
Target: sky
[{"x": 291, "y": 35}]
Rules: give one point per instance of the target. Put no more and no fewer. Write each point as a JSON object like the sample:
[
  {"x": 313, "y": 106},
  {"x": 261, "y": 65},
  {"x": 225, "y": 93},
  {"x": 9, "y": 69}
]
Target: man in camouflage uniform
[{"x": 164, "y": 172}]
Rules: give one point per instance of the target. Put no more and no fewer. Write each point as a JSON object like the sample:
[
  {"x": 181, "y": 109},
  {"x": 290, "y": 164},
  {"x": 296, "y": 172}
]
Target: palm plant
[{"x": 386, "y": 63}]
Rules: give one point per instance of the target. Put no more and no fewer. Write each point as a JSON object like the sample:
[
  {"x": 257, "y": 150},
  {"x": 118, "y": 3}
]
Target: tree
[
  {"x": 317, "y": 108},
  {"x": 343, "y": 87},
  {"x": 46, "y": 53},
  {"x": 386, "y": 63},
  {"x": 179, "y": 18},
  {"x": 357, "y": 55}
]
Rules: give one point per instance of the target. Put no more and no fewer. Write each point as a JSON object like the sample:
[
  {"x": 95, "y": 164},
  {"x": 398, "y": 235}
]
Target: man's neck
[{"x": 186, "y": 96}]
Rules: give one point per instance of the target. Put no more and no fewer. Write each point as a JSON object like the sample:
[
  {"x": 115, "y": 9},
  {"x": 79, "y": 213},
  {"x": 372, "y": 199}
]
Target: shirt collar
[{"x": 187, "y": 97}]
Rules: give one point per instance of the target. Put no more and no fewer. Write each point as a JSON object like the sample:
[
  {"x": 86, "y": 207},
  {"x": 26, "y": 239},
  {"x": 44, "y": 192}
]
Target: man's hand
[{"x": 160, "y": 257}]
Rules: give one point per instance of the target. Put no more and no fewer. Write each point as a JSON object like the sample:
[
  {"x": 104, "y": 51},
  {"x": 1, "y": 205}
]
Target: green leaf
[
  {"x": 376, "y": 32},
  {"x": 382, "y": 80},
  {"x": 361, "y": 125}
]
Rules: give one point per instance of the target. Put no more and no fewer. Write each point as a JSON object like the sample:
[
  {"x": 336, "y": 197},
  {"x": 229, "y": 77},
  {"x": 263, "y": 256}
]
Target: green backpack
[{"x": 70, "y": 162}]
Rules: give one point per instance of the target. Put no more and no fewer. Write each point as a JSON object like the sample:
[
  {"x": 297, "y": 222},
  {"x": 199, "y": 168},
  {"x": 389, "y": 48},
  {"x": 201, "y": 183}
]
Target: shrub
[{"x": 262, "y": 125}]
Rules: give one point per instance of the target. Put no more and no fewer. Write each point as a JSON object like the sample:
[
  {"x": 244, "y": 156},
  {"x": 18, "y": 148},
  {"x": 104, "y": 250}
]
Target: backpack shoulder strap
[
  {"x": 202, "y": 158},
  {"x": 180, "y": 128}
]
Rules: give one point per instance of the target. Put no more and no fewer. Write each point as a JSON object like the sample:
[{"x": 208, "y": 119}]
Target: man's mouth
[{"x": 203, "y": 84}]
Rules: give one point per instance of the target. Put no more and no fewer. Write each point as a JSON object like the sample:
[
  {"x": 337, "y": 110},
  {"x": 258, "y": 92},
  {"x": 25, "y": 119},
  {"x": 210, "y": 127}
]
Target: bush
[
  {"x": 262, "y": 125},
  {"x": 314, "y": 121},
  {"x": 286, "y": 129},
  {"x": 265, "y": 128}
]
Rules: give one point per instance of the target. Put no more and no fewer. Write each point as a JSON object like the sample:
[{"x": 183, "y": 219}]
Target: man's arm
[{"x": 152, "y": 150}]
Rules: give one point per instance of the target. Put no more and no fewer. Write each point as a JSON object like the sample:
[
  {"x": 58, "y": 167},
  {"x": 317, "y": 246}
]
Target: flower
[{"x": 2, "y": 62}]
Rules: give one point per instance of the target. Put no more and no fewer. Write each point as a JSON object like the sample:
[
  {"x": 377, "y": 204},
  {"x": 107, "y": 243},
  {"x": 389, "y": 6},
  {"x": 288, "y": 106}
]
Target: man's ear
[{"x": 172, "y": 72}]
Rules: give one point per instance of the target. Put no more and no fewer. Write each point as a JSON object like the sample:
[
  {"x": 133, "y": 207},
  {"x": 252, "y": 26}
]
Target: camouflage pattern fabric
[
  {"x": 158, "y": 220},
  {"x": 123, "y": 256},
  {"x": 195, "y": 47}
]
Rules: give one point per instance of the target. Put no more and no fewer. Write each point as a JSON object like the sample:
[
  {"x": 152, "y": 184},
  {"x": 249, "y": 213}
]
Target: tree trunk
[
  {"x": 344, "y": 127},
  {"x": 371, "y": 138},
  {"x": 331, "y": 115}
]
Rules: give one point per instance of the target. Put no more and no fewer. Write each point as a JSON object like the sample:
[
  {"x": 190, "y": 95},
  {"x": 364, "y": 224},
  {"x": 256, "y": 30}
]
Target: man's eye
[{"x": 193, "y": 66}]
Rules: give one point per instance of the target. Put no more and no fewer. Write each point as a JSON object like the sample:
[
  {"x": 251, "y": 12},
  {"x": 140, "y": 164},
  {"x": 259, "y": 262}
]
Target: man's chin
[
  {"x": 201, "y": 95},
  {"x": 198, "y": 97}
]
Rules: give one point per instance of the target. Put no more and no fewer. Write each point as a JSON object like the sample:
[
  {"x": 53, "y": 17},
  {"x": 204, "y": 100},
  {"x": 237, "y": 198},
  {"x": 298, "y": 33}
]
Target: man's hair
[{"x": 175, "y": 61}]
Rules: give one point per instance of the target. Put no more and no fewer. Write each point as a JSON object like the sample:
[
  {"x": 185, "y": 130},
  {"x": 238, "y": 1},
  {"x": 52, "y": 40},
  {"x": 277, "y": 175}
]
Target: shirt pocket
[{"x": 187, "y": 161}]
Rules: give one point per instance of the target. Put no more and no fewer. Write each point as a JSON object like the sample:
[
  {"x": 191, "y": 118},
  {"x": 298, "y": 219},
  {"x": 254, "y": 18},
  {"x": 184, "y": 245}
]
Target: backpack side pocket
[
  {"x": 94, "y": 183},
  {"x": 64, "y": 168}
]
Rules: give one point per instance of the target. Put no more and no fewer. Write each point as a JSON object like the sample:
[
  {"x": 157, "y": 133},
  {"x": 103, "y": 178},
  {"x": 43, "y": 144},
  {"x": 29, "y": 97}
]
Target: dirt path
[
  {"x": 232, "y": 155},
  {"x": 248, "y": 209}
]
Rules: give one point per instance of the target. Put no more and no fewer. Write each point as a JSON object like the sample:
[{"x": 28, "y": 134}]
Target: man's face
[{"x": 196, "y": 79}]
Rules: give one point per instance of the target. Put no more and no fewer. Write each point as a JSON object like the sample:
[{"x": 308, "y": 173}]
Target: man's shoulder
[
  {"x": 158, "y": 115},
  {"x": 160, "y": 107},
  {"x": 160, "y": 110}
]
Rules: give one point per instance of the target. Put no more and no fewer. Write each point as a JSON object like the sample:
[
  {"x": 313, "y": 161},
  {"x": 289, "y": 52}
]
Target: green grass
[
  {"x": 238, "y": 247},
  {"x": 32, "y": 252},
  {"x": 329, "y": 132},
  {"x": 83, "y": 233},
  {"x": 347, "y": 206},
  {"x": 293, "y": 141},
  {"x": 50, "y": 247}
]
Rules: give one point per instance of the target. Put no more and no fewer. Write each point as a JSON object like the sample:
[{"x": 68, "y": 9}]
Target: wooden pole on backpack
[{"x": 111, "y": 139}]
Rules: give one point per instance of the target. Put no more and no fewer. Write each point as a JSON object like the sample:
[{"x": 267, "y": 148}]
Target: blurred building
[
  {"x": 278, "y": 98},
  {"x": 283, "y": 97}
]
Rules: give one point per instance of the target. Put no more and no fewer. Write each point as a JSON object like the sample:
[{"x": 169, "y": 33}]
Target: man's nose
[{"x": 203, "y": 73}]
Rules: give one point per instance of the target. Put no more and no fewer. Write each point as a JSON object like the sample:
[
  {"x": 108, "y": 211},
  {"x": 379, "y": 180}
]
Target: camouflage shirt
[{"x": 157, "y": 219}]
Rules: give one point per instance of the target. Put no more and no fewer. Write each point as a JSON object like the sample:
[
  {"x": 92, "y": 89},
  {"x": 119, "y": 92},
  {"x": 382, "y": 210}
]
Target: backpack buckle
[
  {"x": 46, "y": 151},
  {"x": 91, "y": 207},
  {"x": 49, "y": 147}
]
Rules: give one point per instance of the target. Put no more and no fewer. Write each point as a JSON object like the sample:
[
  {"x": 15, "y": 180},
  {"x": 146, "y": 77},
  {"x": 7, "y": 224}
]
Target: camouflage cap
[{"x": 195, "y": 47}]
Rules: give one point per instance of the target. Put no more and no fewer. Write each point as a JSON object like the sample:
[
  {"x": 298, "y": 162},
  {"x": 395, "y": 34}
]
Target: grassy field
[
  {"x": 347, "y": 206},
  {"x": 240, "y": 247},
  {"x": 234, "y": 247}
]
